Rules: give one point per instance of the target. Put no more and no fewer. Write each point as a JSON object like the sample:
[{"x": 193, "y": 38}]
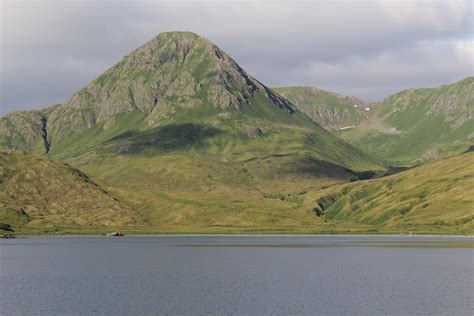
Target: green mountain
[
  {"x": 435, "y": 197},
  {"x": 190, "y": 141},
  {"x": 331, "y": 110},
  {"x": 177, "y": 137},
  {"x": 411, "y": 126},
  {"x": 25, "y": 130},
  {"x": 37, "y": 191}
]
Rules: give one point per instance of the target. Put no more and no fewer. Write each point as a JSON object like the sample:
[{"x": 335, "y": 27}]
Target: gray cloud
[{"x": 50, "y": 49}]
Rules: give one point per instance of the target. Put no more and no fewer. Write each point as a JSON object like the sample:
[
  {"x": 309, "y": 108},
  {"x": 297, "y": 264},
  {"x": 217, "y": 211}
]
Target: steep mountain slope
[
  {"x": 26, "y": 130},
  {"x": 437, "y": 196},
  {"x": 331, "y": 110},
  {"x": 410, "y": 126},
  {"x": 181, "y": 132},
  {"x": 40, "y": 192},
  {"x": 170, "y": 74},
  {"x": 180, "y": 94},
  {"x": 421, "y": 124},
  {"x": 176, "y": 78}
]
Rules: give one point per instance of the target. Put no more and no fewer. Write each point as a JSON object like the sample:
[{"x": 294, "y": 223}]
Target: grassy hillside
[
  {"x": 420, "y": 124},
  {"x": 39, "y": 192},
  {"x": 435, "y": 197},
  {"x": 176, "y": 137},
  {"x": 40, "y": 195},
  {"x": 189, "y": 140},
  {"x": 414, "y": 125}
]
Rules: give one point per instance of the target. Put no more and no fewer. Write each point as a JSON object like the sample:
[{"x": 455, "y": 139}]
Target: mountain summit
[
  {"x": 173, "y": 71},
  {"x": 178, "y": 129}
]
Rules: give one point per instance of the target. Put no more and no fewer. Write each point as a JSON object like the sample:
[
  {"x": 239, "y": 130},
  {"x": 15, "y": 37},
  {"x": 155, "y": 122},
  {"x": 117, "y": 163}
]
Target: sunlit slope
[
  {"x": 331, "y": 110},
  {"x": 411, "y": 126},
  {"x": 179, "y": 102},
  {"x": 435, "y": 197},
  {"x": 40, "y": 192},
  {"x": 420, "y": 124},
  {"x": 179, "y": 132}
]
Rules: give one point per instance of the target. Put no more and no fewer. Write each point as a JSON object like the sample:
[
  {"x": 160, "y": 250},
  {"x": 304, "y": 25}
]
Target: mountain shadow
[
  {"x": 162, "y": 139},
  {"x": 313, "y": 167}
]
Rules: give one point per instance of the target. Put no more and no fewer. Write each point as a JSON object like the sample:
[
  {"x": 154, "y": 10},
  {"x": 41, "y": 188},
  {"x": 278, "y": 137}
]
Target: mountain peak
[
  {"x": 172, "y": 72},
  {"x": 173, "y": 41}
]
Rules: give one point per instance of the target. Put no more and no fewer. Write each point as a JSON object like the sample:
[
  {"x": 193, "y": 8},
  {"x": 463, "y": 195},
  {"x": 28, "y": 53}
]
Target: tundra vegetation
[{"x": 178, "y": 138}]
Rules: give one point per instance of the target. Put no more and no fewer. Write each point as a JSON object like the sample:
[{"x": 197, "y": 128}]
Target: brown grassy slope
[{"x": 37, "y": 191}]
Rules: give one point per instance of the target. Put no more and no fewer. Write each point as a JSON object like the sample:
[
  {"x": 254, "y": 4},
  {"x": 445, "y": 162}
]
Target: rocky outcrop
[
  {"x": 25, "y": 129},
  {"x": 253, "y": 132},
  {"x": 329, "y": 109},
  {"x": 21, "y": 130},
  {"x": 453, "y": 102},
  {"x": 173, "y": 71},
  {"x": 431, "y": 154}
]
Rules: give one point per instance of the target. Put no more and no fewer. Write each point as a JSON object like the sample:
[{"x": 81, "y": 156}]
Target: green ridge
[
  {"x": 409, "y": 127},
  {"x": 436, "y": 197}
]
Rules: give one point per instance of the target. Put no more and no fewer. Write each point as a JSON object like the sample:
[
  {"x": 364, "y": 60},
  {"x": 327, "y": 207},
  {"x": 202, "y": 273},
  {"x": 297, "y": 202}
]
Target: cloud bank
[{"x": 51, "y": 49}]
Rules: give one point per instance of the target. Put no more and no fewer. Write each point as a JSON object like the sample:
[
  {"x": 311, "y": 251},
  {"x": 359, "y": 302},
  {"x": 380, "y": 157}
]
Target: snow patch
[{"x": 347, "y": 127}]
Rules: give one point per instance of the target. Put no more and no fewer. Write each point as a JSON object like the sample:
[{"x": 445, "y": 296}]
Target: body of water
[{"x": 224, "y": 275}]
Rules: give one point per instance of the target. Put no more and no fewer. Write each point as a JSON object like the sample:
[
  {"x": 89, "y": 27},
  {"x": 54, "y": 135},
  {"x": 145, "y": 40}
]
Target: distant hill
[
  {"x": 411, "y": 126},
  {"x": 435, "y": 197},
  {"x": 331, "y": 110}
]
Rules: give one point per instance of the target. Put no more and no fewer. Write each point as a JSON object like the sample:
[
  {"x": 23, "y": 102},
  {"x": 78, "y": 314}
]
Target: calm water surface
[{"x": 328, "y": 275}]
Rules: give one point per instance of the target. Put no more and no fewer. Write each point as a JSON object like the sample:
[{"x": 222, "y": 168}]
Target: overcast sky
[{"x": 370, "y": 49}]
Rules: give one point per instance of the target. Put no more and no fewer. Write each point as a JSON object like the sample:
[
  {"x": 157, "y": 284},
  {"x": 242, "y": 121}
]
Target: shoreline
[{"x": 170, "y": 235}]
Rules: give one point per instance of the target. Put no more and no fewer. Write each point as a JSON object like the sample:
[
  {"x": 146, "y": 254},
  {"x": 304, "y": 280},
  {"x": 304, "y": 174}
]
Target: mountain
[
  {"x": 37, "y": 191},
  {"x": 435, "y": 197},
  {"x": 331, "y": 110},
  {"x": 26, "y": 130},
  {"x": 421, "y": 124},
  {"x": 411, "y": 126},
  {"x": 182, "y": 134}
]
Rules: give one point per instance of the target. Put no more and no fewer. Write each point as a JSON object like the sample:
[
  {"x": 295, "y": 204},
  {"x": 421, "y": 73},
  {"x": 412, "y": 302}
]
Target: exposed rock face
[
  {"x": 331, "y": 110},
  {"x": 253, "y": 132},
  {"x": 431, "y": 154},
  {"x": 457, "y": 105},
  {"x": 329, "y": 117},
  {"x": 442, "y": 116},
  {"x": 21, "y": 130},
  {"x": 453, "y": 102},
  {"x": 172, "y": 71},
  {"x": 26, "y": 129}
]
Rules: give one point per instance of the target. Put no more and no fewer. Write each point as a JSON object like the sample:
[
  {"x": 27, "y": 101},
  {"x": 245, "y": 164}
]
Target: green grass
[
  {"x": 437, "y": 196},
  {"x": 402, "y": 127},
  {"x": 36, "y": 191},
  {"x": 437, "y": 119},
  {"x": 163, "y": 144}
]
